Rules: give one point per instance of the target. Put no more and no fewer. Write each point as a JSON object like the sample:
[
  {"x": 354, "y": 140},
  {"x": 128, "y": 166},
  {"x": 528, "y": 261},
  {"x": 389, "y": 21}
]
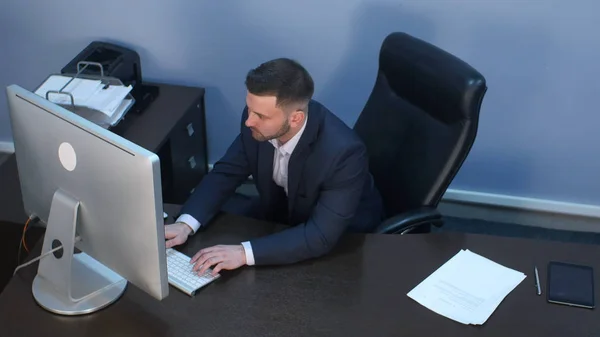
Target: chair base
[{"x": 422, "y": 229}]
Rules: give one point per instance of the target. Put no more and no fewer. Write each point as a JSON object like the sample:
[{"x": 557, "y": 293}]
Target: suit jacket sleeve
[
  {"x": 336, "y": 205},
  {"x": 219, "y": 184}
]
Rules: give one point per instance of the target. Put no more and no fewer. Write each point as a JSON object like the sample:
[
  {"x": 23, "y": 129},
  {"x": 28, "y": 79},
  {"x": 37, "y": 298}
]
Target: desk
[{"x": 358, "y": 290}]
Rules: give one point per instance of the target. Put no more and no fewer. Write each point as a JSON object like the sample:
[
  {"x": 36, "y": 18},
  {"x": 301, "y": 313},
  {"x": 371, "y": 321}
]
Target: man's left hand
[{"x": 226, "y": 257}]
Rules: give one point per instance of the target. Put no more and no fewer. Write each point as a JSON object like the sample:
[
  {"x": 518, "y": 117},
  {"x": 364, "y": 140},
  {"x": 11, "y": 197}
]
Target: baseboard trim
[
  {"x": 521, "y": 203},
  {"x": 7, "y": 147},
  {"x": 539, "y": 213}
]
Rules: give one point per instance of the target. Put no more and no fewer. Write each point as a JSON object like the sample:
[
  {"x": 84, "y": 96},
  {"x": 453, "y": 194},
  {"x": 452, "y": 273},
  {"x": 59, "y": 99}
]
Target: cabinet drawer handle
[
  {"x": 192, "y": 162},
  {"x": 190, "y": 129}
]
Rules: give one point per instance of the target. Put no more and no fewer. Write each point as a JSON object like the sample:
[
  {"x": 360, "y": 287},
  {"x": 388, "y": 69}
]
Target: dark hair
[{"x": 283, "y": 78}]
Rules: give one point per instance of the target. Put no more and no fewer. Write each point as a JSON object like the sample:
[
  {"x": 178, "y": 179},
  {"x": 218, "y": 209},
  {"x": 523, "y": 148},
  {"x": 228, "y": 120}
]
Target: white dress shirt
[{"x": 281, "y": 158}]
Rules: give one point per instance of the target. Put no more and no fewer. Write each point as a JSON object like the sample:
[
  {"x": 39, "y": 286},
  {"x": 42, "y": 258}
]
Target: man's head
[{"x": 278, "y": 95}]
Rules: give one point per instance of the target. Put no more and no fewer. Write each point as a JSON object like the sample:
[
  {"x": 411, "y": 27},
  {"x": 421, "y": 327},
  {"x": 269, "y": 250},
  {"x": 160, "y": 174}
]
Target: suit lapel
[
  {"x": 295, "y": 168},
  {"x": 301, "y": 153},
  {"x": 265, "y": 166}
]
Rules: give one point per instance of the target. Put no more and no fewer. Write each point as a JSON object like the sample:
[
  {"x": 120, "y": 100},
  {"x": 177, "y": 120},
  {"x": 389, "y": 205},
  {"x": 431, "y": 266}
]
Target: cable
[
  {"x": 77, "y": 238},
  {"x": 23, "y": 236},
  {"x": 22, "y": 243},
  {"x": 19, "y": 253}
]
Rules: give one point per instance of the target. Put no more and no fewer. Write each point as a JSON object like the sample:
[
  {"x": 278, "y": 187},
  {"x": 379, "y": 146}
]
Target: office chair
[{"x": 418, "y": 124}]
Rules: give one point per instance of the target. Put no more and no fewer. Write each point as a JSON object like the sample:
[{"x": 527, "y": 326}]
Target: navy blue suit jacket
[{"x": 330, "y": 189}]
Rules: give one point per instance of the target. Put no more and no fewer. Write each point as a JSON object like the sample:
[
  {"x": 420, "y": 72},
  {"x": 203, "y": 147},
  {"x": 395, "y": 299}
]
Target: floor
[
  {"x": 514, "y": 230},
  {"x": 3, "y": 157}
]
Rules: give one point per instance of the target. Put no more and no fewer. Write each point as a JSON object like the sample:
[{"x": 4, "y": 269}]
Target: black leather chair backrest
[{"x": 419, "y": 122}]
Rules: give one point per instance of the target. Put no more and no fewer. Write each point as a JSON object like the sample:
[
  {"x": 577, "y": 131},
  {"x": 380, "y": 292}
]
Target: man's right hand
[{"x": 176, "y": 234}]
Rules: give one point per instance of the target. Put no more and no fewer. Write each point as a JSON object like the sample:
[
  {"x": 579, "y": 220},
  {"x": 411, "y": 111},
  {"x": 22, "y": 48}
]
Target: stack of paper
[
  {"x": 88, "y": 93},
  {"x": 467, "y": 288}
]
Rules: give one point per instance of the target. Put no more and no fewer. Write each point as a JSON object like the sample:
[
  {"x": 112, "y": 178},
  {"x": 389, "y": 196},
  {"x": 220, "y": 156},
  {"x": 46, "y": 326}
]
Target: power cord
[
  {"x": 23, "y": 243},
  {"x": 77, "y": 239}
]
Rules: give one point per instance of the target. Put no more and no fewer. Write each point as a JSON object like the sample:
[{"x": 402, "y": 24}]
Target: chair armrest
[{"x": 407, "y": 221}]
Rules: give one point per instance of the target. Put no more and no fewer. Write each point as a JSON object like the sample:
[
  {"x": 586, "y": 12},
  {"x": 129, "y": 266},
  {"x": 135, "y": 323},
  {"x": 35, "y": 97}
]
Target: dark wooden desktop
[{"x": 357, "y": 290}]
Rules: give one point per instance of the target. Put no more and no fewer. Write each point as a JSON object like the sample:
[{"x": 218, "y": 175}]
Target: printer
[{"x": 111, "y": 60}]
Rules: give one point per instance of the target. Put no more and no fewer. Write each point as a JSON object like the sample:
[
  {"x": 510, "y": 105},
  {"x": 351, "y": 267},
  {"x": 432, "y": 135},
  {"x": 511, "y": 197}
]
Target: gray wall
[{"x": 538, "y": 134}]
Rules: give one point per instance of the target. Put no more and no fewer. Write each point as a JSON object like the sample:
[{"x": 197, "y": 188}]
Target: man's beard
[{"x": 285, "y": 128}]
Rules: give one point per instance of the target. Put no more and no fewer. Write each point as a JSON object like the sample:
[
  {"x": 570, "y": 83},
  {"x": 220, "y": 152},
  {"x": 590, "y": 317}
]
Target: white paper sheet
[
  {"x": 85, "y": 92},
  {"x": 467, "y": 288}
]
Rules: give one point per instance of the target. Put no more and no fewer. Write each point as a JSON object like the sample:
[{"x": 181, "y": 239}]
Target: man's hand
[
  {"x": 224, "y": 257},
  {"x": 176, "y": 234}
]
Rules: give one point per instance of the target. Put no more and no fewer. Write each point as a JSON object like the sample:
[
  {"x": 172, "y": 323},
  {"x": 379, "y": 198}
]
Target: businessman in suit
[{"x": 310, "y": 169}]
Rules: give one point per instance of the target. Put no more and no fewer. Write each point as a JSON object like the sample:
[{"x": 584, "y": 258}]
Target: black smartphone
[{"x": 571, "y": 284}]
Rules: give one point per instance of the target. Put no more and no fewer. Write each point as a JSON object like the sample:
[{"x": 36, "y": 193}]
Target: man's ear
[{"x": 297, "y": 118}]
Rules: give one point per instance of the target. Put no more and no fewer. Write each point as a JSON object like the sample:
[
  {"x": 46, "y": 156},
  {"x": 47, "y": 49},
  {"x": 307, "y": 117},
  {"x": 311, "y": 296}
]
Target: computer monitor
[{"x": 83, "y": 181}]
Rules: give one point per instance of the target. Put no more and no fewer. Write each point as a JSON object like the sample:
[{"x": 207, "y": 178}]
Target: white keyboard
[{"x": 181, "y": 275}]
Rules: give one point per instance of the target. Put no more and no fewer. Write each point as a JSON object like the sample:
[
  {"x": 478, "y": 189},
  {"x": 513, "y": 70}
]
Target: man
[{"x": 310, "y": 169}]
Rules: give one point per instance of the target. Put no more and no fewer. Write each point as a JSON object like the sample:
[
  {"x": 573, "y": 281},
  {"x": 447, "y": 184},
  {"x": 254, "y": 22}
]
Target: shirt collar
[{"x": 290, "y": 145}]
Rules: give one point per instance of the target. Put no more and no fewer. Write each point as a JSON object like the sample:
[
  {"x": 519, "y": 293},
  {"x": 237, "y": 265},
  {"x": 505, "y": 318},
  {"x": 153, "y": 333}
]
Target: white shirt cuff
[
  {"x": 190, "y": 221},
  {"x": 249, "y": 254}
]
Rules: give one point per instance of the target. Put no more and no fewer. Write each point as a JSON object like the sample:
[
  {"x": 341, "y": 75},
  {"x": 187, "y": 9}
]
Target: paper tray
[{"x": 93, "y": 115}]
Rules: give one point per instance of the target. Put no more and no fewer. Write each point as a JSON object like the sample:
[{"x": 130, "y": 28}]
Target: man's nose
[{"x": 249, "y": 122}]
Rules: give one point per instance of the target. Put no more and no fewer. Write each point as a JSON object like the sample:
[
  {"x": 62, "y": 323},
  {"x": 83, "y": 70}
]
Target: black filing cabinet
[
  {"x": 187, "y": 156},
  {"x": 174, "y": 128}
]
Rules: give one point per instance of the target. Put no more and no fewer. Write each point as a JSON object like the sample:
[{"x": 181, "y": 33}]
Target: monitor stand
[{"x": 68, "y": 283}]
